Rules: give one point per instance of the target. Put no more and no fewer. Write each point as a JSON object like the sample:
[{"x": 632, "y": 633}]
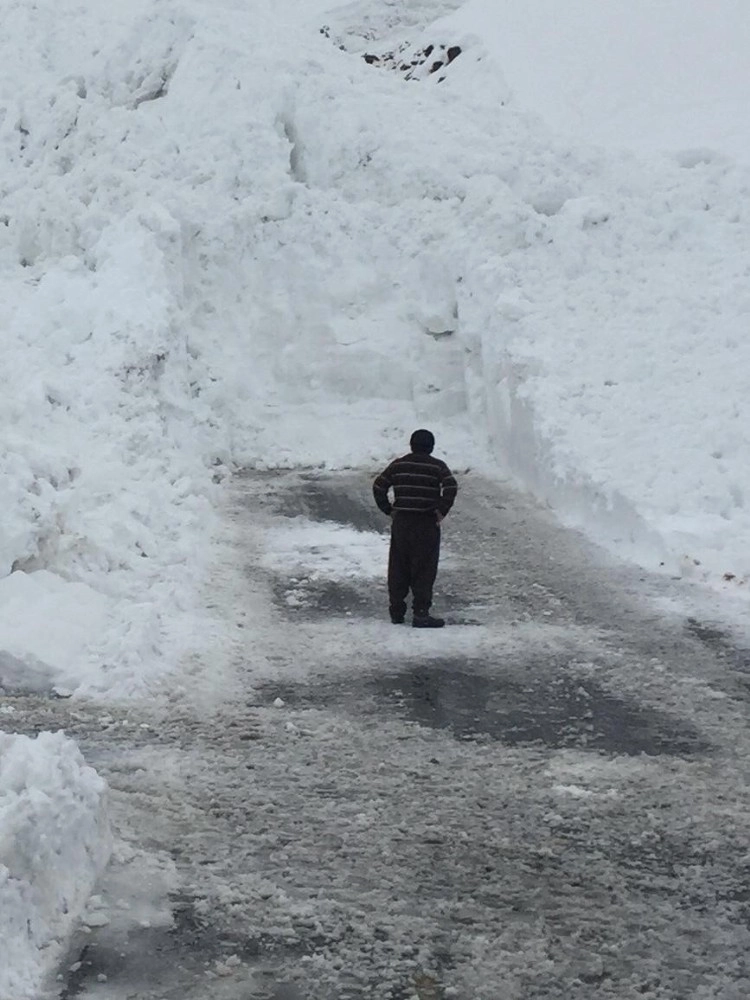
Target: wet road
[{"x": 548, "y": 799}]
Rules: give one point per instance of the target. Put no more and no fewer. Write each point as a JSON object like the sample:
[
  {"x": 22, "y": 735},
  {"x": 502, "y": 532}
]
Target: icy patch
[{"x": 54, "y": 843}]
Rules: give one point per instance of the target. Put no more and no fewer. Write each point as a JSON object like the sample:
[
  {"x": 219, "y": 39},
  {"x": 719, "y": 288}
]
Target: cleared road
[{"x": 548, "y": 799}]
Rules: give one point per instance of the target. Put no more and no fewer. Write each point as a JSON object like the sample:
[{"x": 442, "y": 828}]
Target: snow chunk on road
[
  {"x": 54, "y": 843},
  {"x": 46, "y": 626}
]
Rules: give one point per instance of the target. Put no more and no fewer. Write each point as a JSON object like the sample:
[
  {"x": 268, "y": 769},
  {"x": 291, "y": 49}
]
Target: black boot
[{"x": 427, "y": 621}]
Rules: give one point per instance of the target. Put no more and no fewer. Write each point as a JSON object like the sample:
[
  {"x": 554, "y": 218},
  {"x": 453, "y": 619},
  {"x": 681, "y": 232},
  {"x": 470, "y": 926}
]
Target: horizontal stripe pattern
[{"x": 421, "y": 484}]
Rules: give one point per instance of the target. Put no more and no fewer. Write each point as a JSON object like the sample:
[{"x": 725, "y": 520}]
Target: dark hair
[{"x": 422, "y": 442}]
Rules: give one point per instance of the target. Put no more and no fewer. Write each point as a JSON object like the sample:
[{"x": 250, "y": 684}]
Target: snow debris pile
[
  {"x": 100, "y": 481},
  {"x": 54, "y": 843}
]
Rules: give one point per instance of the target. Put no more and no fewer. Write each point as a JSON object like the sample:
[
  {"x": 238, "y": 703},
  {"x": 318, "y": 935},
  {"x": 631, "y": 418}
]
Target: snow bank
[
  {"x": 54, "y": 843},
  {"x": 106, "y": 475}
]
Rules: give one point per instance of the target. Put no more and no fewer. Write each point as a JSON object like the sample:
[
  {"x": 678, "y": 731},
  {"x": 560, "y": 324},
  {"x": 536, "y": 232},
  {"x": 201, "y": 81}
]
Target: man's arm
[
  {"x": 380, "y": 490},
  {"x": 448, "y": 491}
]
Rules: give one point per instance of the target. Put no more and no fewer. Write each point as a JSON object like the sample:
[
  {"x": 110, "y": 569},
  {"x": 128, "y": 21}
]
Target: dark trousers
[{"x": 413, "y": 561}]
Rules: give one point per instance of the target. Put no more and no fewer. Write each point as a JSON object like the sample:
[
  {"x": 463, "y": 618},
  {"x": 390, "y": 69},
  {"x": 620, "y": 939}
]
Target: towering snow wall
[
  {"x": 225, "y": 240},
  {"x": 104, "y": 466},
  {"x": 185, "y": 288},
  {"x": 601, "y": 289},
  {"x": 618, "y": 339}
]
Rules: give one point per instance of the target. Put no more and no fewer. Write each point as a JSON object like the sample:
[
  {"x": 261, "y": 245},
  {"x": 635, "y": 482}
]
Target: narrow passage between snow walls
[{"x": 227, "y": 239}]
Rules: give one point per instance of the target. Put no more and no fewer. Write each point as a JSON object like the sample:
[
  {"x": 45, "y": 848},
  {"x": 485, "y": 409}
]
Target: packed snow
[
  {"x": 325, "y": 551},
  {"x": 228, "y": 239}
]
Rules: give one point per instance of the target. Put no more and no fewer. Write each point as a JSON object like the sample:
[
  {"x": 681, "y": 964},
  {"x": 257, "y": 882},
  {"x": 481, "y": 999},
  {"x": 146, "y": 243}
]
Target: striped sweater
[{"x": 421, "y": 484}]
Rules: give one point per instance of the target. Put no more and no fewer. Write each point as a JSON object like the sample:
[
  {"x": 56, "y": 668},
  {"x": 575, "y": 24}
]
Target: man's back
[
  {"x": 420, "y": 482},
  {"x": 424, "y": 490}
]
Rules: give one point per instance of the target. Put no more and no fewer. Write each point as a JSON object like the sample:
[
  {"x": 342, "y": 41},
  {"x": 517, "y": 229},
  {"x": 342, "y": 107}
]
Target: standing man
[{"x": 424, "y": 490}]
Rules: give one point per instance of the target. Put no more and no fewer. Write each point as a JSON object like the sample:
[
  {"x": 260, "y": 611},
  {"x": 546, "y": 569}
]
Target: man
[{"x": 424, "y": 490}]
